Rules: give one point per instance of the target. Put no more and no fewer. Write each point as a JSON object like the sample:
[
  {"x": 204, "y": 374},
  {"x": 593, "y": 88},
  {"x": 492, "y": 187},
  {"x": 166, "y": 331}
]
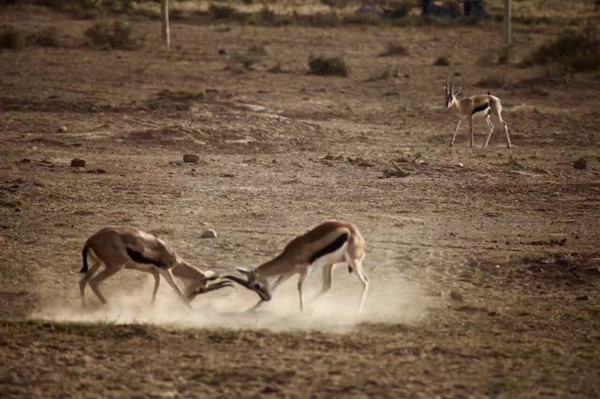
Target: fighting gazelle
[
  {"x": 125, "y": 247},
  {"x": 479, "y": 106},
  {"x": 326, "y": 245}
]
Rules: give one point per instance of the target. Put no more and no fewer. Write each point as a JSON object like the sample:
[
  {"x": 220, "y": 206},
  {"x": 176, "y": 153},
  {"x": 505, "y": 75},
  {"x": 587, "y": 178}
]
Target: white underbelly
[
  {"x": 336, "y": 256},
  {"x": 481, "y": 114}
]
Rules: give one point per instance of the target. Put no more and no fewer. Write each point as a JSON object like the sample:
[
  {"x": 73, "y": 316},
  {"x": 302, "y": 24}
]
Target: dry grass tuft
[
  {"x": 395, "y": 48},
  {"x": 12, "y": 38},
  {"x": 442, "y": 61},
  {"x": 111, "y": 35}
]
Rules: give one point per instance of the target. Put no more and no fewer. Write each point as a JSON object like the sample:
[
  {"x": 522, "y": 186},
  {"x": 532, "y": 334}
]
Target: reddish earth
[{"x": 484, "y": 263}]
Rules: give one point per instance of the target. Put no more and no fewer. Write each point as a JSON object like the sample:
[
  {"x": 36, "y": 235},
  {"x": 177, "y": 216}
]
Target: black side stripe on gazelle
[
  {"x": 481, "y": 108},
  {"x": 139, "y": 258},
  {"x": 334, "y": 246}
]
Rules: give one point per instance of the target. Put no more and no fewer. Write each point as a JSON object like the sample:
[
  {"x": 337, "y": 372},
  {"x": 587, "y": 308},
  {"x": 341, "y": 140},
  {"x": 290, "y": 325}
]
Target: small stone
[
  {"x": 210, "y": 233},
  {"x": 191, "y": 158},
  {"x": 456, "y": 296},
  {"x": 62, "y": 129},
  {"x": 78, "y": 163},
  {"x": 582, "y": 298},
  {"x": 581, "y": 163},
  {"x": 461, "y": 165},
  {"x": 25, "y": 160}
]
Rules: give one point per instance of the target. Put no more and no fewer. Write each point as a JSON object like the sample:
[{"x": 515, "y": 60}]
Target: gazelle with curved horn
[
  {"x": 479, "y": 106},
  {"x": 119, "y": 248},
  {"x": 326, "y": 245}
]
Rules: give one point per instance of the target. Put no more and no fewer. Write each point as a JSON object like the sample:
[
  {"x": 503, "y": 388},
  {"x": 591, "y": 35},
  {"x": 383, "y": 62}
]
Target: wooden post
[
  {"x": 164, "y": 16},
  {"x": 507, "y": 23}
]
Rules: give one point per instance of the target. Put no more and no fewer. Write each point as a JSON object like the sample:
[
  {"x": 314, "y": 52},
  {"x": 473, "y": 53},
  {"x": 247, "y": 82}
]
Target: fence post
[
  {"x": 164, "y": 16},
  {"x": 507, "y": 23}
]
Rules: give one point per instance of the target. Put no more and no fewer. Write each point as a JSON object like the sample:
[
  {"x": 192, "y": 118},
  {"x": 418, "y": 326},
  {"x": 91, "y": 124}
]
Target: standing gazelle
[
  {"x": 120, "y": 248},
  {"x": 324, "y": 246},
  {"x": 480, "y": 106}
]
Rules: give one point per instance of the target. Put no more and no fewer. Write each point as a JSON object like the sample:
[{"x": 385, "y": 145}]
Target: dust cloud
[{"x": 390, "y": 300}]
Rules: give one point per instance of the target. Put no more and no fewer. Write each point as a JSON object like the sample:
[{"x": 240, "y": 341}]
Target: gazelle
[
  {"x": 125, "y": 247},
  {"x": 326, "y": 245},
  {"x": 480, "y": 106}
]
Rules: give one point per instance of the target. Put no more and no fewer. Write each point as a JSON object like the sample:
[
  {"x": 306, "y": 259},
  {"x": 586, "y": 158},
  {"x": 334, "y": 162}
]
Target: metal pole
[
  {"x": 164, "y": 16},
  {"x": 507, "y": 23}
]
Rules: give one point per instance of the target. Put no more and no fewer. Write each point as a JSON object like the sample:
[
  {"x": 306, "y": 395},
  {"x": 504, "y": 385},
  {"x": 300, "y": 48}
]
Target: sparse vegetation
[
  {"x": 320, "y": 19},
  {"x": 365, "y": 19},
  {"x": 241, "y": 62},
  {"x": 395, "y": 48},
  {"x": 222, "y": 12},
  {"x": 384, "y": 74},
  {"x": 327, "y": 66},
  {"x": 111, "y": 34},
  {"x": 47, "y": 37},
  {"x": 12, "y": 38},
  {"x": 573, "y": 50},
  {"x": 442, "y": 61}
]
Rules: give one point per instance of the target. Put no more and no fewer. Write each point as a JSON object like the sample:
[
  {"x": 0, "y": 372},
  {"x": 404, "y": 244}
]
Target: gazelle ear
[
  {"x": 458, "y": 91},
  {"x": 243, "y": 270}
]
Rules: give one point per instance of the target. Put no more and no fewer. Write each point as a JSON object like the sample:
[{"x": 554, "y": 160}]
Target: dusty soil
[{"x": 484, "y": 263}]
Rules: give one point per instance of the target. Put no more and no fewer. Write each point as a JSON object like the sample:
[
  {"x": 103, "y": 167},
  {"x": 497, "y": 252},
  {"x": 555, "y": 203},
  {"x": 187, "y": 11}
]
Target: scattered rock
[
  {"x": 210, "y": 233},
  {"x": 62, "y": 129},
  {"x": 191, "y": 158},
  {"x": 78, "y": 163},
  {"x": 581, "y": 163},
  {"x": 456, "y": 296},
  {"x": 97, "y": 171},
  {"x": 25, "y": 160},
  {"x": 582, "y": 298}
]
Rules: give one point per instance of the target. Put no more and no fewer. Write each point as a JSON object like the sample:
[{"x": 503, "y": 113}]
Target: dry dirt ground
[{"x": 484, "y": 264}]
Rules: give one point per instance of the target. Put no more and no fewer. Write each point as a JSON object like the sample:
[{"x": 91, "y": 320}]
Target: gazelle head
[
  {"x": 450, "y": 94},
  {"x": 252, "y": 282}
]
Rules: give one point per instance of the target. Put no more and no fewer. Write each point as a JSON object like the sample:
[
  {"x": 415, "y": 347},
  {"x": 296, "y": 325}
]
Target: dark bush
[
  {"x": 46, "y": 37},
  {"x": 327, "y": 66},
  {"x": 111, "y": 34},
  {"x": 442, "y": 61},
  {"x": 12, "y": 38},
  {"x": 575, "y": 50},
  {"x": 222, "y": 12}
]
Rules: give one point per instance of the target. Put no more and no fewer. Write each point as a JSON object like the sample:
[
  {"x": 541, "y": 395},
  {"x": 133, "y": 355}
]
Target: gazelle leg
[
  {"x": 301, "y": 281},
  {"x": 491, "y": 126},
  {"x": 326, "y": 281},
  {"x": 356, "y": 265},
  {"x": 168, "y": 275},
  {"x": 108, "y": 272},
  {"x": 455, "y": 131},
  {"x": 85, "y": 280},
  {"x": 156, "y": 276},
  {"x": 471, "y": 128},
  {"x": 508, "y": 145}
]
